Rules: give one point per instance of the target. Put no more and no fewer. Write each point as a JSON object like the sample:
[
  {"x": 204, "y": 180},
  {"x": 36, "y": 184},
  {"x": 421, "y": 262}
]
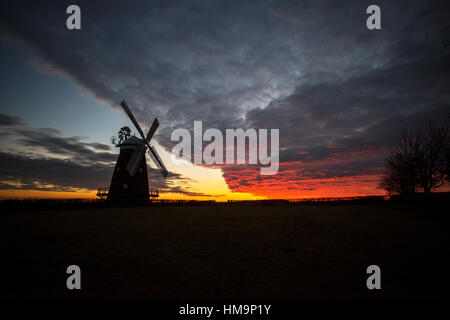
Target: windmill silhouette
[{"x": 130, "y": 177}]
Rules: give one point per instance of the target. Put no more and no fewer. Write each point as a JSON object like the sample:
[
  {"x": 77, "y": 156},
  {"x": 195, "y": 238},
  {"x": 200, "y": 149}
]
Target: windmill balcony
[
  {"x": 102, "y": 193},
  {"x": 153, "y": 193}
]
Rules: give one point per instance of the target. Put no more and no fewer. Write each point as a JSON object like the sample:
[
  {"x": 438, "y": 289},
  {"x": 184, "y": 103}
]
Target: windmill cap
[{"x": 131, "y": 142}]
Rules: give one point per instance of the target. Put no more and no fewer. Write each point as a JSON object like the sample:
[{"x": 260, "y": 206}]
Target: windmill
[{"x": 130, "y": 179}]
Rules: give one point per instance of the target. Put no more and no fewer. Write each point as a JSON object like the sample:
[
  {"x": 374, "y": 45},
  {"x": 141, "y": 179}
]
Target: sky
[{"x": 338, "y": 92}]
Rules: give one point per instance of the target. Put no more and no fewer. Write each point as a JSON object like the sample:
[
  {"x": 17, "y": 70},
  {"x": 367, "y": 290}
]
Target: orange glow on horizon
[
  {"x": 325, "y": 193},
  {"x": 244, "y": 184},
  {"x": 40, "y": 194},
  {"x": 19, "y": 194}
]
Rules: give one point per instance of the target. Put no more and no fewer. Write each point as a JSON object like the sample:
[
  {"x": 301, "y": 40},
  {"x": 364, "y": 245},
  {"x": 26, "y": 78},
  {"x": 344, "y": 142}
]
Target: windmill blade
[
  {"x": 132, "y": 118},
  {"x": 135, "y": 159},
  {"x": 157, "y": 160},
  {"x": 152, "y": 130}
]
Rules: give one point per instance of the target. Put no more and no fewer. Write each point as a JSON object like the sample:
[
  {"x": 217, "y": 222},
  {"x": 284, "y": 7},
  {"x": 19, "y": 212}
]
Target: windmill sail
[
  {"x": 138, "y": 153},
  {"x": 135, "y": 159},
  {"x": 157, "y": 160},
  {"x": 132, "y": 118},
  {"x": 152, "y": 130}
]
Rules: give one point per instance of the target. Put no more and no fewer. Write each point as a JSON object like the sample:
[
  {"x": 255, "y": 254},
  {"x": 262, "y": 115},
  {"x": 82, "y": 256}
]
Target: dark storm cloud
[
  {"x": 363, "y": 111},
  {"x": 70, "y": 163},
  {"x": 36, "y": 173},
  {"x": 6, "y": 120},
  {"x": 26, "y": 172},
  {"x": 53, "y": 142},
  {"x": 309, "y": 68}
]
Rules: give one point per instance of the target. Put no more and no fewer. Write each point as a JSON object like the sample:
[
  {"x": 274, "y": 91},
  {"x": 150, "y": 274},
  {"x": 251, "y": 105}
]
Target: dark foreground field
[{"x": 297, "y": 252}]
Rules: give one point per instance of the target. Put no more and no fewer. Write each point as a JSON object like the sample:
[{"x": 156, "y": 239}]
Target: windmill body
[
  {"x": 130, "y": 179},
  {"x": 123, "y": 186}
]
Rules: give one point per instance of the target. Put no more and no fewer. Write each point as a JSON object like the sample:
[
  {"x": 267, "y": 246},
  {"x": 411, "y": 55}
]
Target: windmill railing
[
  {"x": 153, "y": 193},
  {"x": 102, "y": 192}
]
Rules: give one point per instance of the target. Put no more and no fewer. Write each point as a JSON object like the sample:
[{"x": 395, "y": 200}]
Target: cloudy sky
[{"x": 338, "y": 92}]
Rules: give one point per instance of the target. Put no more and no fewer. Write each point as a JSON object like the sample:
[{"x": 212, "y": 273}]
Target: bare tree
[
  {"x": 418, "y": 160},
  {"x": 447, "y": 163},
  {"x": 400, "y": 174},
  {"x": 431, "y": 157}
]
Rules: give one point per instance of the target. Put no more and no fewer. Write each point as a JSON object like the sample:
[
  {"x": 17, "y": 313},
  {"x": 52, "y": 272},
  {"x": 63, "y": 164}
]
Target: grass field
[{"x": 220, "y": 252}]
